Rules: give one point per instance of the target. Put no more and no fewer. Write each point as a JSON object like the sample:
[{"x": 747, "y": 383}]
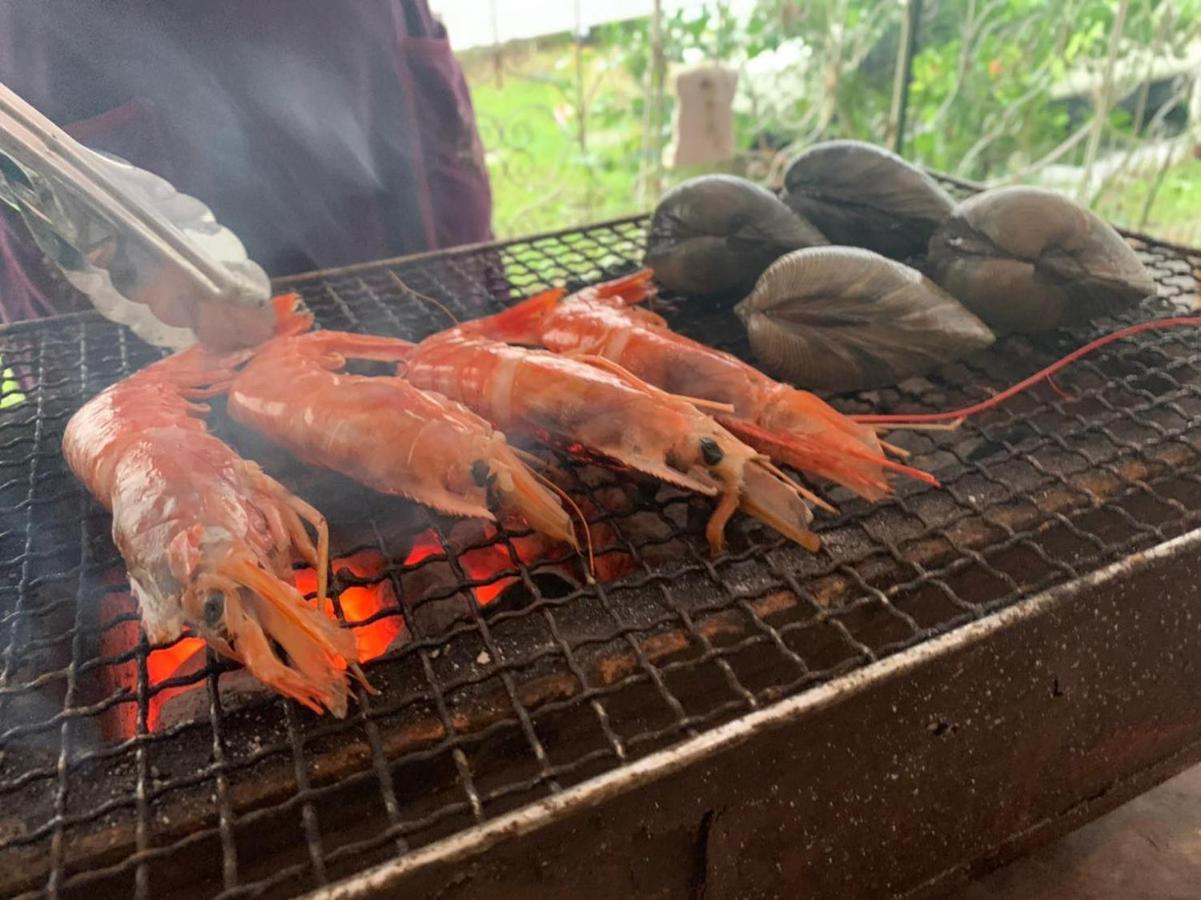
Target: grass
[
  {"x": 1176, "y": 214},
  {"x": 544, "y": 173}
]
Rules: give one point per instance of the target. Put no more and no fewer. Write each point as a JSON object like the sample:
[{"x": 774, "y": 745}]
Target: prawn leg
[{"x": 776, "y": 501}]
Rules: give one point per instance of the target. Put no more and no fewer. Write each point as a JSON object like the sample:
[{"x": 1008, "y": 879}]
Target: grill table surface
[{"x": 510, "y": 708}]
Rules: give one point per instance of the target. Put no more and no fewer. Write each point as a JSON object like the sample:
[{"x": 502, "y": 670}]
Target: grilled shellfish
[
  {"x": 843, "y": 319},
  {"x": 861, "y": 195},
  {"x": 714, "y": 235},
  {"x": 1026, "y": 259}
]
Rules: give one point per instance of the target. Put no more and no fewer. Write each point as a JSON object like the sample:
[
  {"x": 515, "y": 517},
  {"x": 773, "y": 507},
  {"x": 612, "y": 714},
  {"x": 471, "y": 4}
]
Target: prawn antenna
[
  {"x": 361, "y": 677},
  {"x": 579, "y": 515},
  {"x": 425, "y": 298},
  {"x": 800, "y": 489},
  {"x": 903, "y": 420}
]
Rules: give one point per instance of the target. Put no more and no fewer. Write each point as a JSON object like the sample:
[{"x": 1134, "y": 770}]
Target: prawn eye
[
  {"x": 711, "y": 451},
  {"x": 479, "y": 472},
  {"x": 214, "y": 609}
]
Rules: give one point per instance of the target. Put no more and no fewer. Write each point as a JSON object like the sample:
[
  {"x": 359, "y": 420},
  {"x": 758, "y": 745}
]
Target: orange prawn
[
  {"x": 613, "y": 413},
  {"x": 386, "y": 433},
  {"x": 208, "y": 538},
  {"x": 791, "y": 426}
]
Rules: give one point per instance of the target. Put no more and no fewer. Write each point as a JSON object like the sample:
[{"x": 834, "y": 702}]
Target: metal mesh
[{"x": 491, "y": 708}]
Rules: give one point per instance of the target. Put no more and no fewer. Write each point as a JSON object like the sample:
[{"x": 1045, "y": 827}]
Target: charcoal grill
[{"x": 962, "y": 673}]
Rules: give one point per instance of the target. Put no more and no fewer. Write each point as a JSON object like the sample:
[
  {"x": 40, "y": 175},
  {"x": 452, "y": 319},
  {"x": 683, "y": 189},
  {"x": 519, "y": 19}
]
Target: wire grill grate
[{"x": 501, "y": 705}]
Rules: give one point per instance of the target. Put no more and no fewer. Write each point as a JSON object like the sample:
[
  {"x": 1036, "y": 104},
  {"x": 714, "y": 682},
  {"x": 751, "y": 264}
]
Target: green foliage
[
  {"x": 567, "y": 126},
  {"x": 1176, "y": 201},
  {"x": 543, "y": 176}
]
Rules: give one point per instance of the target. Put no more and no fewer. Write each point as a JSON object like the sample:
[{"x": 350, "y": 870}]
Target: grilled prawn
[
  {"x": 207, "y": 537},
  {"x": 792, "y": 426},
  {"x": 610, "y": 412},
  {"x": 386, "y": 433}
]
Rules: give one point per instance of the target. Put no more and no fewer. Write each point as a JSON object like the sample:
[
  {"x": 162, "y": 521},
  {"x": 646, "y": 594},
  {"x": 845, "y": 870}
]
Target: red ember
[
  {"x": 371, "y": 611},
  {"x": 360, "y": 603},
  {"x": 425, "y": 545},
  {"x": 186, "y": 656}
]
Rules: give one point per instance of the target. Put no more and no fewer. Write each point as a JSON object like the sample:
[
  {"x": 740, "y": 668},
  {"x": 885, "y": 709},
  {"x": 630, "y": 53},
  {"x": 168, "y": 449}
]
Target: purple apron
[{"x": 321, "y": 133}]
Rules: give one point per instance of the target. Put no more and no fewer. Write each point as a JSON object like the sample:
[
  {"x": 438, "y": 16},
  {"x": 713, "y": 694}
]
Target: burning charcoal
[
  {"x": 431, "y": 600},
  {"x": 238, "y": 689},
  {"x": 436, "y": 598},
  {"x": 593, "y": 476},
  {"x": 485, "y": 555},
  {"x": 517, "y": 596},
  {"x": 365, "y": 595},
  {"x": 183, "y": 661},
  {"x": 648, "y": 530},
  {"x": 376, "y": 607}
]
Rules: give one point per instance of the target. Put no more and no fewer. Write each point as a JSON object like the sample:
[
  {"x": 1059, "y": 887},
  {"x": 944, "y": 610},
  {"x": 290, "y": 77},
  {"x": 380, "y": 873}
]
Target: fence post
[
  {"x": 581, "y": 96},
  {"x": 652, "y": 118},
  {"x": 498, "y": 63},
  {"x": 1104, "y": 102},
  {"x": 907, "y": 49}
]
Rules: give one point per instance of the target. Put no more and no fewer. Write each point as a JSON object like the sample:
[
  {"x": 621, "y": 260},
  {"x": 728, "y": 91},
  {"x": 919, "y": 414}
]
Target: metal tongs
[{"x": 146, "y": 255}]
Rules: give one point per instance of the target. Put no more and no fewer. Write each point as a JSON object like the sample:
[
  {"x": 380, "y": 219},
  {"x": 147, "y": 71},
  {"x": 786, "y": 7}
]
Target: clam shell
[
  {"x": 862, "y": 195},
  {"x": 842, "y": 319},
  {"x": 1026, "y": 259},
  {"x": 714, "y": 235}
]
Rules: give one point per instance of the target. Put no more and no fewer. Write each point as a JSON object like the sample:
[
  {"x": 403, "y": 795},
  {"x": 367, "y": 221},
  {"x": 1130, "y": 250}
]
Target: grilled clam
[
  {"x": 1026, "y": 259},
  {"x": 714, "y": 235},
  {"x": 861, "y": 195},
  {"x": 843, "y": 318}
]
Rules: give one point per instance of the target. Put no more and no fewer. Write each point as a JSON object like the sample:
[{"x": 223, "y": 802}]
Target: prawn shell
[
  {"x": 861, "y": 195},
  {"x": 843, "y": 319},
  {"x": 715, "y": 235},
  {"x": 1026, "y": 259}
]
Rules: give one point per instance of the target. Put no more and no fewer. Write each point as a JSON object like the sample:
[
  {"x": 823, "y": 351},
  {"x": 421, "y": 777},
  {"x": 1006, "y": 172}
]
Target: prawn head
[
  {"x": 747, "y": 480},
  {"x": 234, "y": 595}
]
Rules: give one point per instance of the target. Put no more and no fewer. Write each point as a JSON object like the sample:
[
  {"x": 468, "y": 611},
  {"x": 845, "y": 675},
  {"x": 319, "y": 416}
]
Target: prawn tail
[
  {"x": 520, "y": 491},
  {"x": 520, "y": 323},
  {"x": 630, "y": 289},
  {"x": 774, "y": 501},
  {"x": 318, "y": 652},
  {"x": 288, "y": 319}
]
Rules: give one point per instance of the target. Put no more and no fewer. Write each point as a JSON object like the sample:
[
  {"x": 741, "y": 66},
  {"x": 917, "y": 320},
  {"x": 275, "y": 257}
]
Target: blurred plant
[{"x": 1001, "y": 90}]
